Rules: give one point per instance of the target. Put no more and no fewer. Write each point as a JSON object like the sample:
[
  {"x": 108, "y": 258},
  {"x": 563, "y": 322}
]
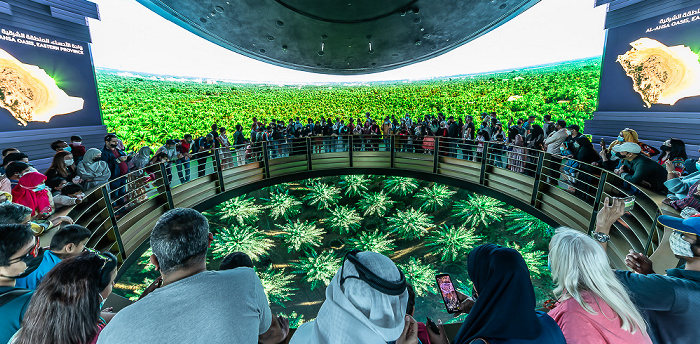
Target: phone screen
[
  {"x": 629, "y": 203},
  {"x": 448, "y": 292}
]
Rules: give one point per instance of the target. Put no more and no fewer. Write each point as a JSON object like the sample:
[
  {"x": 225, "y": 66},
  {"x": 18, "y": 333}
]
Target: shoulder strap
[{"x": 10, "y": 295}]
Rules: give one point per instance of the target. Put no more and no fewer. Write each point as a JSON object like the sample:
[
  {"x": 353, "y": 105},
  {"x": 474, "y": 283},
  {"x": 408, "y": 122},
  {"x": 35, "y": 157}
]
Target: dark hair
[
  {"x": 677, "y": 150},
  {"x": 411, "y": 305},
  {"x": 235, "y": 260},
  {"x": 109, "y": 137},
  {"x": 71, "y": 188},
  {"x": 561, "y": 123},
  {"x": 547, "y": 117},
  {"x": 575, "y": 127},
  {"x": 66, "y": 305},
  {"x": 58, "y": 164},
  {"x": 188, "y": 136},
  {"x": 54, "y": 182},
  {"x": 13, "y": 157},
  {"x": 13, "y": 213},
  {"x": 76, "y": 138},
  {"x": 71, "y": 234},
  {"x": 180, "y": 239},
  {"x": 531, "y": 117},
  {"x": 6, "y": 150},
  {"x": 15, "y": 167},
  {"x": 54, "y": 145},
  {"x": 12, "y": 238}
]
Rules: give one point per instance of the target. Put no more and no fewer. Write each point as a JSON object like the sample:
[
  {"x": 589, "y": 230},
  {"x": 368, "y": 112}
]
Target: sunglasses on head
[{"x": 33, "y": 253}]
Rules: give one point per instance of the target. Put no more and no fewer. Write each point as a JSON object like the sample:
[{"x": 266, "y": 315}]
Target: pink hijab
[{"x": 24, "y": 194}]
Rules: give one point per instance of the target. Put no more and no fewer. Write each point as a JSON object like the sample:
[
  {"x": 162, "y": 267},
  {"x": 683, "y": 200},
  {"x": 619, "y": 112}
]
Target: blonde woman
[{"x": 593, "y": 305}]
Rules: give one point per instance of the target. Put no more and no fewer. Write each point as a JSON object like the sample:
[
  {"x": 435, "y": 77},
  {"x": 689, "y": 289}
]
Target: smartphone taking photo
[
  {"x": 629, "y": 203},
  {"x": 448, "y": 292}
]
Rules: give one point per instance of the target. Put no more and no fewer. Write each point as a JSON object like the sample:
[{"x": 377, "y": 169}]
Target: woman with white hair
[
  {"x": 593, "y": 306},
  {"x": 365, "y": 303}
]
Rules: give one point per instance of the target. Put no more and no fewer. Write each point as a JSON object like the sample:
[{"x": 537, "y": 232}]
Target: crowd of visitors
[{"x": 56, "y": 294}]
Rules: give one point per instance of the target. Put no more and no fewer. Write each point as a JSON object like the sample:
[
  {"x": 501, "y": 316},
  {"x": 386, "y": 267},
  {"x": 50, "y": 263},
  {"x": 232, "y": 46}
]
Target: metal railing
[{"x": 558, "y": 190}]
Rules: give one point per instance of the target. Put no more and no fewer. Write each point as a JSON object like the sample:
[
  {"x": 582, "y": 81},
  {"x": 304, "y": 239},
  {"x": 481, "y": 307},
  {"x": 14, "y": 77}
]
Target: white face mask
[
  {"x": 32, "y": 169},
  {"x": 679, "y": 246},
  {"x": 68, "y": 162}
]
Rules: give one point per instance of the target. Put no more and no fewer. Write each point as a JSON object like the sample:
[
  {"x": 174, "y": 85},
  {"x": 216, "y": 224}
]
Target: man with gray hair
[{"x": 194, "y": 305}]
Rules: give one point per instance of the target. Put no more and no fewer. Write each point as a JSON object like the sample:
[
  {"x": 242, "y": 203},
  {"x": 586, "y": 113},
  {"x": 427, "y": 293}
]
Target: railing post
[
  {"x": 166, "y": 185},
  {"x": 392, "y": 151},
  {"x": 596, "y": 202},
  {"x": 308, "y": 151},
  {"x": 113, "y": 219},
  {"x": 653, "y": 232},
  {"x": 219, "y": 169},
  {"x": 351, "y": 147},
  {"x": 436, "y": 158},
  {"x": 536, "y": 184},
  {"x": 484, "y": 159},
  {"x": 266, "y": 159}
]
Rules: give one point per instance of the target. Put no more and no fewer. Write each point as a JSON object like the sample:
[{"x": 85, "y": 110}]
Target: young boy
[
  {"x": 68, "y": 242},
  {"x": 71, "y": 194},
  {"x": 77, "y": 148},
  {"x": 17, "y": 246}
]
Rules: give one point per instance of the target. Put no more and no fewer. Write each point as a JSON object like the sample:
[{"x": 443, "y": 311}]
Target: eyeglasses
[
  {"x": 33, "y": 253},
  {"x": 100, "y": 255}
]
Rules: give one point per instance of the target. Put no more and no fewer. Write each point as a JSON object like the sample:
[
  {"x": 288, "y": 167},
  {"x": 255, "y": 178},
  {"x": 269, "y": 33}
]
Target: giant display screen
[
  {"x": 653, "y": 65},
  {"x": 45, "y": 82}
]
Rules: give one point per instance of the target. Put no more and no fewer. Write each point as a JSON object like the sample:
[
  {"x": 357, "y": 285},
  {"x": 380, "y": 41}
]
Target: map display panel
[
  {"x": 653, "y": 65},
  {"x": 45, "y": 82}
]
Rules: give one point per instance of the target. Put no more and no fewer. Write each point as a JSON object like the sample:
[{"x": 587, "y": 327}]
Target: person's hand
[
  {"x": 438, "y": 338},
  {"x": 61, "y": 219},
  {"x": 669, "y": 166},
  {"x": 618, "y": 171},
  {"x": 284, "y": 325},
  {"x": 609, "y": 214},
  {"x": 603, "y": 154},
  {"x": 465, "y": 303},
  {"x": 78, "y": 201},
  {"x": 410, "y": 331},
  {"x": 639, "y": 263}
]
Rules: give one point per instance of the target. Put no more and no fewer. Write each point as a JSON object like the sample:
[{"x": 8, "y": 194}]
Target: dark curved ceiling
[{"x": 339, "y": 37}]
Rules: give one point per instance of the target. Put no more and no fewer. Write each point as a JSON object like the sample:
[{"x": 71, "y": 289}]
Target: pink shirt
[{"x": 581, "y": 327}]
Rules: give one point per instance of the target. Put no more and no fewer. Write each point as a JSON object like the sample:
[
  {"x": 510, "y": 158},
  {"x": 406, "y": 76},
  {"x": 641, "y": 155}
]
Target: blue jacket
[
  {"x": 670, "y": 304},
  {"x": 112, "y": 161},
  {"x": 32, "y": 280}
]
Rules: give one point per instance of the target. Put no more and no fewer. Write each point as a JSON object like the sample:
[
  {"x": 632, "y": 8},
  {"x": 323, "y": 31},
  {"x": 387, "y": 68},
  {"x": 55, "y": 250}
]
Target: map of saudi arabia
[
  {"x": 661, "y": 74},
  {"x": 31, "y": 95}
]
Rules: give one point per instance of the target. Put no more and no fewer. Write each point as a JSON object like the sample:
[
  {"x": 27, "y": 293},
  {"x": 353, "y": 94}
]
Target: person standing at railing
[
  {"x": 203, "y": 149},
  {"x": 117, "y": 162},
  {"x": 172, "y": 154},
  {"x": 225, "y": 145},
  {"x": 93, "y": 170},
  {"x": 239, "y": 142},
  {"x": 670, "y": 304},
  {"x": 183, "y": 158},
  {"x": 516, "y": 155}
]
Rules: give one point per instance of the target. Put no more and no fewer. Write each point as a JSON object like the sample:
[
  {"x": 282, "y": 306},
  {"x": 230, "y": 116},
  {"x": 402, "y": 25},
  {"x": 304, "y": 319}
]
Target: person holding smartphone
[{"x": 503, "y": 307}]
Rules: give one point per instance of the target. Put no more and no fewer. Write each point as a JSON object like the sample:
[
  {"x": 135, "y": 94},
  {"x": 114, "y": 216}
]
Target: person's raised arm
[{"x": 608, "y": 215}]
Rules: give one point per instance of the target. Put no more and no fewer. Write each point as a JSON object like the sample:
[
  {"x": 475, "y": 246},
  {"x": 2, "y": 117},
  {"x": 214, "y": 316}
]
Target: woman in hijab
[
  {"x": 33, "y": 193},
  {"x": 504, "y": 309},
  {"x": 356, "y": 312},
  {"x": 93, "y": 170}
]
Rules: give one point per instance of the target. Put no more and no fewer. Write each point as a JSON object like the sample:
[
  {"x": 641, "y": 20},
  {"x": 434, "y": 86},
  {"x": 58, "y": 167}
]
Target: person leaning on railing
[{"x": 670, "y": 304}]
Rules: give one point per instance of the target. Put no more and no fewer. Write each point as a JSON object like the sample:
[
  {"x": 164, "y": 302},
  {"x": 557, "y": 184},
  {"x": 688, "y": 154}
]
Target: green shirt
[{"x": 12, "y": 313}]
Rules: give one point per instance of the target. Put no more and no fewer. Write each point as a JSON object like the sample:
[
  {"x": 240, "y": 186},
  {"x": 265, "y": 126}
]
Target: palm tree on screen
[
  {"x": 524, "y": 224},
  {"x": 535, "y": 259},
  {"x": 322, "y": 195},
  {"x": 453, "y": 243},
  {"x": 319, "y": 268},
  {"x": 344, "y": 219},
  {"x": 373, "y": 241},
  {"x": 283, "y": 205},
  {"x": 242, "y": 209},
  {"x": 241, "y": 238},
  {"x": 435, "y": 197},
  {"x": 354, "y": 184},
  {"x": 375, "y": 203},
  {"x": 410, "y": 224},
  {"x": 420, "y": 275},
  {"x": 479, "y": 210},
  {"x": 297, "y": 234},
  {"x": 276, "y": 283},
  {"x": 401, "y": 186}
]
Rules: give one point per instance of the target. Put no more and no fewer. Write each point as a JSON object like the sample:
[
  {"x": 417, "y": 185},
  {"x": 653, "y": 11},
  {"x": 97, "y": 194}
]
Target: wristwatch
[{"x": 600, "y": 237}]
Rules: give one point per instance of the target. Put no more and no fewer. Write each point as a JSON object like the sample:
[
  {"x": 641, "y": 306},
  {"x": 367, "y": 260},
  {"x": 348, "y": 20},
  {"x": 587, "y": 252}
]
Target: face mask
[
  {"x": 679, "y": 246},
  {"x": 40, "y": 187},
  {"x": 68, "y": 162},
  {"x": 97, "y": 158},
  {"x": 113, "y": 145},
  {"x": 568, "y": 132},
  {"x": 77, "y": 143},
  {"x": 576, "y": 145},
  {"x": 32, "y": 169},
  {"x": 67, "y": 149},
  {"x": 621, "y": 139},
  {"x": 620, "y": 155},
  {"x": 665, "y": 148}
]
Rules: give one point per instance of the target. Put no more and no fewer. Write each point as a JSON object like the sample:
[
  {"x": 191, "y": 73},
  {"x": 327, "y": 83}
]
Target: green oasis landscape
[{"x": 298, "y": 233}]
